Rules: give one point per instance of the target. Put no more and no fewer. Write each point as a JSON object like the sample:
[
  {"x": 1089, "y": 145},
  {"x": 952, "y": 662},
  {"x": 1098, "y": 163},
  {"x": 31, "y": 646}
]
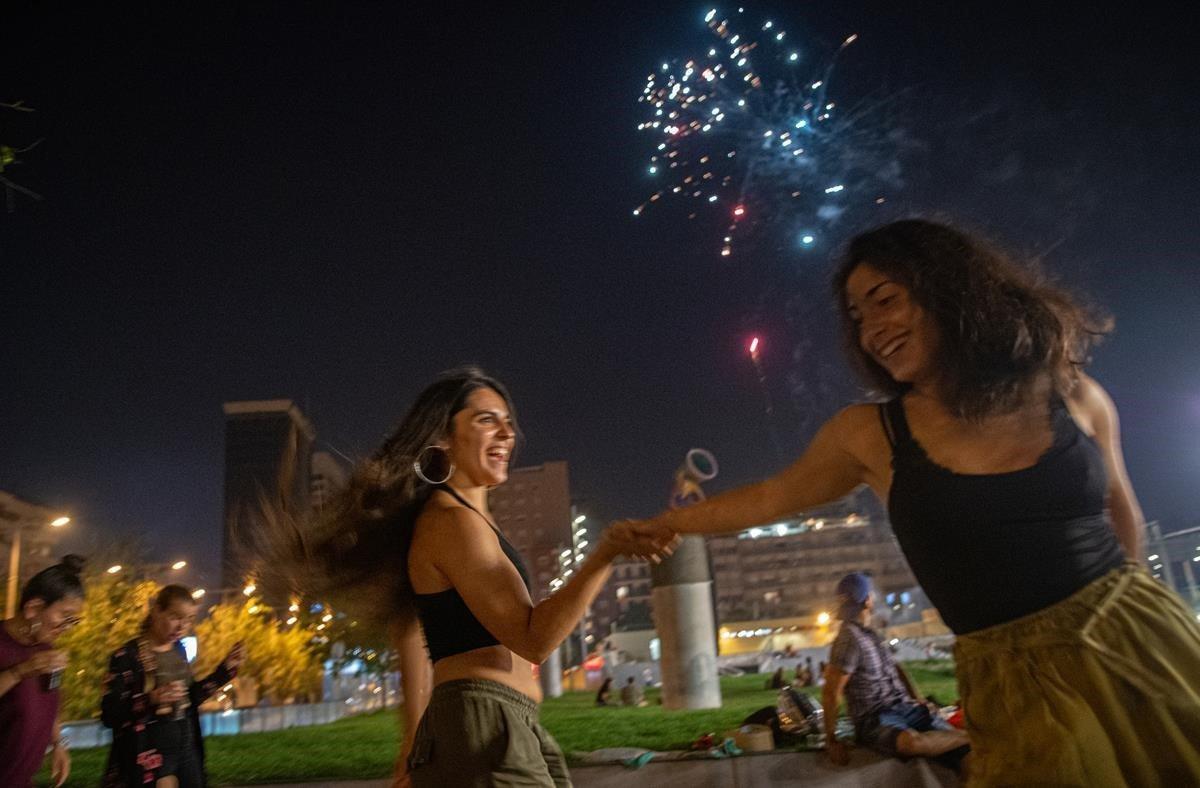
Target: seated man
[
  {"x": 885, "y": 707},
  {"x": 631, "y": 694}
]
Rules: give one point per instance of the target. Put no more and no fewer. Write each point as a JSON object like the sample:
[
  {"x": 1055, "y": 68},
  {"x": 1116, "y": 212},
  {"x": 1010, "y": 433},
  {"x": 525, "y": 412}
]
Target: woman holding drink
[
  {"x": 30, "y": 672},
  {"x": 151, "y": 700}
]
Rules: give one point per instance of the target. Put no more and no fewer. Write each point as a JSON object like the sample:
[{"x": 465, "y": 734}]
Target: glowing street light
[
  {"x": 112, "y": 570},
  {"x": 178, "y": 565},
  {"x": 198, "y": 593},
  {"x": 823, "y": 619},
  {"x": 249, "y": 589},
  {"x": 14, "y": 559}
]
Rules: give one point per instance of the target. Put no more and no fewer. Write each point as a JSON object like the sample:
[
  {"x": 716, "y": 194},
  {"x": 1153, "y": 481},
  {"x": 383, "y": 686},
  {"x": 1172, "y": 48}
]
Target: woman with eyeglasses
[
  {"x": 151, "y": 701},
  {"x": 31, "y": 670}
]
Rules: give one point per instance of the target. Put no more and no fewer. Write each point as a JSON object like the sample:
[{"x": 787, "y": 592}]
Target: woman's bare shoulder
[
  {"x": 1092, "y": 406},
  {"x": 858, "y": 425}
]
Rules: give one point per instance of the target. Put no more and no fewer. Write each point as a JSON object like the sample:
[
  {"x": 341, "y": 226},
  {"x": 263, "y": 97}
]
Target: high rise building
[
  {"x": 791, "y": 567},
  {"x": 268, "y": 455},
  {"x": 327, "y": 475},
  {"x": 1174, "y": 558},
  {"x": 534, "y": 510},
  {"x": 625, "y": 599}
]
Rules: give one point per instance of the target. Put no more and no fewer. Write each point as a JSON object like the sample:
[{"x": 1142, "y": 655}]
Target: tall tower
[
  {"x": 534, "y": 510},
  {"x": 268, "y": 444},
  {"x": 328, "y": 476}
]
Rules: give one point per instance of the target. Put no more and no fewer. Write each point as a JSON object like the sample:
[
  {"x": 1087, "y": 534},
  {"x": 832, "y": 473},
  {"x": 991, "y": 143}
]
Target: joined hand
[{"x": 641, "y": 538}]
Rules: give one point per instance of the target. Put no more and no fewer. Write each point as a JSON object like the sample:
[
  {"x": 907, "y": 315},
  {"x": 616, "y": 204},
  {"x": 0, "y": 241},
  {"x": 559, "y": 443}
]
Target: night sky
[{"x": 333, "y": 202}]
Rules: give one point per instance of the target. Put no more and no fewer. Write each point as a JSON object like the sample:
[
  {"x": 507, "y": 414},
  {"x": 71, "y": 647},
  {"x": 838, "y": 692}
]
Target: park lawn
[{"x": 364, "y": 747}]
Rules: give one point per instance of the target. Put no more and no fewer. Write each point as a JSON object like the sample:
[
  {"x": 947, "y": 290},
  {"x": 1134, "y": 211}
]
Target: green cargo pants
[{"x": 481, "y": 733}]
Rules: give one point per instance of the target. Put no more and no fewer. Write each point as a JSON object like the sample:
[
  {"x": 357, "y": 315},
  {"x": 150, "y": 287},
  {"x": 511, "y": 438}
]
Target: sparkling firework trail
[{"x": 748, "y": 133}]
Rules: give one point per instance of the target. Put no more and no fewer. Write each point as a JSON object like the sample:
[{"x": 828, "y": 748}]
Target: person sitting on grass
[
  {"x": 804, "y": 674},
  {"x": 776, "y": 681},
  {"x": 881, "y": 699},
  {"x": 604, "y": 691},
  {"x": 631, "y": 694}
]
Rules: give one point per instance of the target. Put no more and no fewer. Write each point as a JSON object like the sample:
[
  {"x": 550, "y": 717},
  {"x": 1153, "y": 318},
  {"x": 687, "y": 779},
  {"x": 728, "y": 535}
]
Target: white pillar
[
  {"x": 686, "y": 625},
  {"x": 550, "y": 674}
]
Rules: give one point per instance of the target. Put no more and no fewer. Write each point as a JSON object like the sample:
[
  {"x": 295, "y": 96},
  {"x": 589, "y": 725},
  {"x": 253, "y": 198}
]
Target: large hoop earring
[{"x": 420, "y": 472}]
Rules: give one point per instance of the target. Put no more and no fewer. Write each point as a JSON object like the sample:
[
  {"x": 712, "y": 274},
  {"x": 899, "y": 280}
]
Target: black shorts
[{"x": 180, "y": 752}]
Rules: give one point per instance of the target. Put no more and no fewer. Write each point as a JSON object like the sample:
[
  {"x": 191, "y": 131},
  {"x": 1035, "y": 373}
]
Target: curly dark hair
[{"x": 1002, "y": 325}]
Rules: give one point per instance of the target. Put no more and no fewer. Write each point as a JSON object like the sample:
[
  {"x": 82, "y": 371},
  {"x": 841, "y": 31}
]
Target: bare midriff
[{"x": 491, "y": 663}]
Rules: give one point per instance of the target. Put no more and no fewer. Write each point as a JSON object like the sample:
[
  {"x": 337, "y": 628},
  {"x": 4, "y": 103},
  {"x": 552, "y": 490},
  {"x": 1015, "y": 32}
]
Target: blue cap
[{"x": 852, "y": 591}]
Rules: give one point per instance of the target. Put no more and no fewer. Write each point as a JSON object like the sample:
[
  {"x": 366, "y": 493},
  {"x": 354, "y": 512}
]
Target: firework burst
[{"x": 748, "y": 132}]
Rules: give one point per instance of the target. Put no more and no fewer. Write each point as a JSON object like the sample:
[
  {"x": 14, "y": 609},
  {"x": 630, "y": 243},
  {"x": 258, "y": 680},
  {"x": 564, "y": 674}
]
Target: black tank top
[
  {"x": 989, "y": 548},
  {"x": 450, "y": 626}
]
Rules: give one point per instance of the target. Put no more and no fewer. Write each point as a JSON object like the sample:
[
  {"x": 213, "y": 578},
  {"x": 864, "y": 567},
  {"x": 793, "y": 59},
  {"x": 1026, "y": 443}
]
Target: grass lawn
[{"x": 364, "y": 747}]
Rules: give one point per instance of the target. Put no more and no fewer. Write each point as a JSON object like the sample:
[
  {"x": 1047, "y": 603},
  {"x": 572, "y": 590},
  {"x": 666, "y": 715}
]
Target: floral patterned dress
[{"x": 133, "y": 760}]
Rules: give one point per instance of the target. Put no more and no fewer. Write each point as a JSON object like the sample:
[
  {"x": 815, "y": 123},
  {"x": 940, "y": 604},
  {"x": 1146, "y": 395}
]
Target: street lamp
[
  {"x": 14, "y": 564},
  {"x": 158, "y": 571},
  {"x": 112, "y": 570}
]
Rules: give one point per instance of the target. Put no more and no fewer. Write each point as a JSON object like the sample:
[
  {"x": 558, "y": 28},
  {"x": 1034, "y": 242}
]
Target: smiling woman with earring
[
  {"x": 412, "y": 540},
  {"x": 1000, "y": 464},
  {"x": 30, "y": 672}
]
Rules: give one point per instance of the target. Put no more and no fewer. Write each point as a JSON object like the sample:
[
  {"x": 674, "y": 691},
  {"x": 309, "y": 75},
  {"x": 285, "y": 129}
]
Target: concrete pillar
[
  {"x": 550, "y": 674},
  {"x": 1189, "y": 577},
  {"x": 684, "y": 619}
]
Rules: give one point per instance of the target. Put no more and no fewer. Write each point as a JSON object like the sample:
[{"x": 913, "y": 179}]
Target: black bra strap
[
  {"x": 513, "y": 554},
  {"x": 896, "y": 423},
  {"x": 887, "y": 425},
  {"x": 454, "y": 494}
]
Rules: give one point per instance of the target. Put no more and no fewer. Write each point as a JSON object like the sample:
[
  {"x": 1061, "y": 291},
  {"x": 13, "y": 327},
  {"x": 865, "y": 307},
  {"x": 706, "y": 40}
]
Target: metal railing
[{"x": 256, "y": 719}]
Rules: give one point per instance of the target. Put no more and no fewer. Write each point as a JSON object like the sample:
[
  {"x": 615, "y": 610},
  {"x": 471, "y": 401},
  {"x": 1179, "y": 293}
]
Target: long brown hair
[
  {"x": 1001, "y": 324},
  {"x": 354, "y": 552}
]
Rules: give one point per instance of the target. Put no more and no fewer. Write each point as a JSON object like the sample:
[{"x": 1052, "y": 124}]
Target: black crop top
[
  {"x": 989, "y": 548},
  {"x": 450, "y": 626}
]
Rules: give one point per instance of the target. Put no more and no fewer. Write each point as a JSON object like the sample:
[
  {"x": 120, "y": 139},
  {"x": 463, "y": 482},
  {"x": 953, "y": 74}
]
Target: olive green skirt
[
  {"x": 1102, "y": 688},
  {"x": 481, "y": 733}
]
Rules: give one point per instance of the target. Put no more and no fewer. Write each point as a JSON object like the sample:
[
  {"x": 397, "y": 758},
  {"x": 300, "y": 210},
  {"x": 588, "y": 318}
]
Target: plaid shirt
[{"x": 875, "y": 682}]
